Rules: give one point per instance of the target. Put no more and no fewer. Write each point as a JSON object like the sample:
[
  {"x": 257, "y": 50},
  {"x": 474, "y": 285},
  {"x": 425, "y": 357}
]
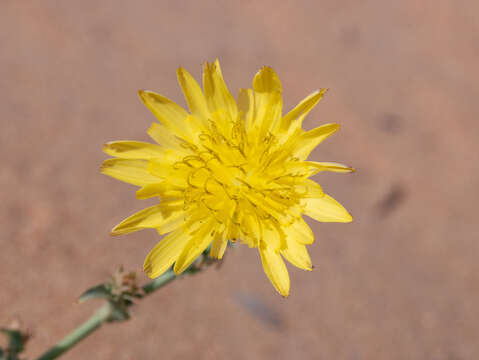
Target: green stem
[
  {"x": 159, "y": 282},
  {"x": 101, "y": 316},
  {"x": 77, "y": 335}
]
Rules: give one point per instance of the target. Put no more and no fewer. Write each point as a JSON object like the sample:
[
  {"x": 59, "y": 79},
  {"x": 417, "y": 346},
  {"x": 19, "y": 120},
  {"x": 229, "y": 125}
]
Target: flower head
[{"x": 227, "y": 171}]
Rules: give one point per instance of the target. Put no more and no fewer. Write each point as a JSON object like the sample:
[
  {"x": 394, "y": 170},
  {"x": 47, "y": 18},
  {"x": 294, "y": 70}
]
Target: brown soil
[{"x": 400, "y": 282}]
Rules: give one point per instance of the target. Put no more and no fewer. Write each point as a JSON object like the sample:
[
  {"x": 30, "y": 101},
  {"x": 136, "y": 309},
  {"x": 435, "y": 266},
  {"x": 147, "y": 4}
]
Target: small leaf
[
  {"x": 15, "y": 340},
  {"x": 97, "y": 292}
]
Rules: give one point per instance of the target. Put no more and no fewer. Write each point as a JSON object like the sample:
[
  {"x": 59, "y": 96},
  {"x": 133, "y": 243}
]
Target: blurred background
[{"x": 400, "y": 282}]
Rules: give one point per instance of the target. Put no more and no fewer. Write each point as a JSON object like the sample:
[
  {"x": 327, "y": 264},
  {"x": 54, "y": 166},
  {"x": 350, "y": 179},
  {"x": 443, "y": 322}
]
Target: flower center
[{"x": 231, "y": 180}]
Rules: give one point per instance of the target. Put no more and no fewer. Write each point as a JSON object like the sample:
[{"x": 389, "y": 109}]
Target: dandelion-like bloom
[{"x": 227, "y": 171}]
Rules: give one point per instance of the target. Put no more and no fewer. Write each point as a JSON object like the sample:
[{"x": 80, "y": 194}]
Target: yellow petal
[
  {"x": 166, "y": 111},
  {"x": 295, "y": 117},
  {"x": 275, "y": 269},
  {"x": 266, "y": 80},
  {"x": 274, "y": 236},
  {"x": 269, "y": 206},
  {"x": 175, "y": 174},
  {"x": 307, "y": 141},
  {"x": 197, "y": 244},
  {"x": 216, "y": 93},
  {"x": 130, "y": 171},
  {"x": 251, "y": 228},
  {"x": 309, "y": 189},
  {"x": 220, "y": 242},
  {"x": 326, "y": 209},
  {"x": 166, "y": 138},
  {"x": 162, "y": 189},
  {"x": 150, "y": 190},
  {"x": 297, "y": 255},
  {"x": 133, "y": 150},
  {"x": 300, "y": 169},
  {"x": 330, "y": 166},
  {"x": 193, "y": 95},
  {"x": 156, "y": 216},
  {"x": 268, "y": 103},
  {"x": 268, "y": 110},
  {"x": 246, "y": 107},
  {"x": 300, "y": 232},
  {"x": 165, "y": 253}
]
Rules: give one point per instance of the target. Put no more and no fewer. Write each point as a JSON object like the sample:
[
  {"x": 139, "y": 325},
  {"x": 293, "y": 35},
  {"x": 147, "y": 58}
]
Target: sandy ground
[{"x": 400, "y": 282}]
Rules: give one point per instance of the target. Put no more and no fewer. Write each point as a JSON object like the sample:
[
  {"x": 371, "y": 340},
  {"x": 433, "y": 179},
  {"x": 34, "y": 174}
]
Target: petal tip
[
  {"x": 176, "y": 269},
  {"x": 105, "y": 165},
  {"x": 141, "y": 194},
  {"x": 149, "y": 273},
  {"x": 115, "y": 231},
  {"x": 180, "y": 72},
  {"x": 143, "y": 95},
  {"x": 348, "y": 169},
  {"x": 107, "y": 146},
  {"x": 320, "y": 92},
  {"x": 266, "y": 80},
  {"x": 148, "y": 268}
]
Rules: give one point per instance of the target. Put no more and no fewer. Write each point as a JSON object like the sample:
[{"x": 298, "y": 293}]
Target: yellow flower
[{"x": 227, "y": 171}]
